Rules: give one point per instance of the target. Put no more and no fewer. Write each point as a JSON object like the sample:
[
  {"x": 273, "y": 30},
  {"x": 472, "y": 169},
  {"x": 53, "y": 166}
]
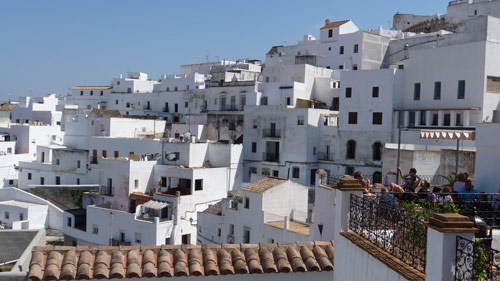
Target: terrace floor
[{"x": 297, "y": 227}]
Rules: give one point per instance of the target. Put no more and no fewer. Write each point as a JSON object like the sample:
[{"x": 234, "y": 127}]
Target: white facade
[{"x": 23, "y": 215}]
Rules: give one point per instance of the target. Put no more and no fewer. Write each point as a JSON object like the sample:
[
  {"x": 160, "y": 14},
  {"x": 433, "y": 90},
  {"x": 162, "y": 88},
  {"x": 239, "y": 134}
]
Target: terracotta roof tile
[
  {"x": 70, "y": 263},
  {"x": 107, "y": 112},
  {"x": 264, "y": 184},
  {"x": 334, "y": 24}
]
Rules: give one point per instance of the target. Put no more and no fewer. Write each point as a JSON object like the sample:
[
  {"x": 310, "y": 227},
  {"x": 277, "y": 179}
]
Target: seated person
[
  {"x": 424, "y": 190},
  {"x": 433, "y": 196},
  {"x": 364, "y": 183},
  {"x": 387, "y": 199},
  {"x": 407, "y": 191},
  {"x": 468, "y": 193},
  {"x": 445, "y": 196}
]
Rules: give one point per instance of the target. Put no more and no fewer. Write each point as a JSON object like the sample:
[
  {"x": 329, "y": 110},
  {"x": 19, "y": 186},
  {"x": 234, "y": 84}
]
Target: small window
[
  {"x": 341, "y": 66},
  {"x": 349, "y": 170},
  {"x": 57, "y": 161},
  {"x": 95, "y": 229},
  {"x": 411, "y": 119},
  {"x": 330, "y": 33},
  {"x": 447, "y": 119},
  {"x": 254, "y": 147},
  {"x": 81, "y": 93},
  {"x": 341, "y": 51},
  {"x": 435, "y": 119},
  {"x": 246, "y": 235},
  {"x": 247, "y": 203},
  {"x": 329, "y": 48},
  {"x": 458, "y": 120},
  {"x": 102, "y": 93},
  {"x": 353, "y": 118},
  {"x": 138, "y": 238},
  {"x": 77, "y": 181},
  {"x": 198, "y": 184},
  {"x": 7, "y": 215},
  {"x": 300, "y": 120},
  {"x": 296, "y": 172},
  {"x": 136, "y": 183},
  {"x": 255, "y": 123},
  {"x": 231, "y": 229},
  {"x": 351, "y": 149},
  {"x": 422, "y": 118},
  {"x": 377, "y": 151},
  {"x": 91, "y": 93},
  {"x": 377, "y": 118},
  {"x": 219, "y": 232},
  {"x": 70, "y": 222},
  {"x": 29, "y": 176},
  {"x": 186, "y": 104},
  {"x": 461, "y": 90},
  {"x": 416, "y": 91},
  {"x": 21, "y": 216},
  {"x": 116, "y": 101},
  {"x": 375, "y": 92},
  {"x": 354, "y": 67},
  {"x": 78, "y": 164},
  {"x": 327, "y": 67},
  {"x": 437, "y": 90},
  {"x": 348, "y": 92},
  {"x": 288, "y": 101},
  {"x": 356, "y": 48},
  {"x": 175, "y": 89}
]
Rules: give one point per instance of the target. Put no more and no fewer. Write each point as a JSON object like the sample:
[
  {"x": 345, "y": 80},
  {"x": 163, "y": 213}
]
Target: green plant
[
  {"x": 452, "y": 178},
  {"x": 481, "y": 261}
]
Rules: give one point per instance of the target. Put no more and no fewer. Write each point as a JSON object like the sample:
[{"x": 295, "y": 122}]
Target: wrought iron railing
[
  {"x": 271, "y": 133},
  {"x": 270, "y": 157},
  {"x": 391, "y": 229},
  {"x": 476, "y": 261},
  {"x": 325, "y": 156}
]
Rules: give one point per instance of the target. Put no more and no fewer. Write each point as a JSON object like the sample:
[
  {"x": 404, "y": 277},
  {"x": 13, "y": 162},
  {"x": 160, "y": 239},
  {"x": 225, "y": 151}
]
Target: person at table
[
  {"x": 364, "y": 183},
  {"x": 468, "y": 193}
]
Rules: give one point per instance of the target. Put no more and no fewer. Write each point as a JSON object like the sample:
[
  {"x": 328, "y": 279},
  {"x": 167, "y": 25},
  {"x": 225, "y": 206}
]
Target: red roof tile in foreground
[{"x": 69, "y": 263}]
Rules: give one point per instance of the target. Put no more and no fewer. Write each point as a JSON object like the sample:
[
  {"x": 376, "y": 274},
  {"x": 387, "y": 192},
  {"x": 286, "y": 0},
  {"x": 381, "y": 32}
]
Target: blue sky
[{"x": 50, "y": 46}]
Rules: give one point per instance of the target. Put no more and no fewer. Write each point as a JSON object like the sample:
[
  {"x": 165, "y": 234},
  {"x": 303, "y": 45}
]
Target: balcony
[
  {"x": 147, "y": 108},
  {"x": 324, "y": 156},
  {"x": 107, "y": 190},
  {"x": 270, "y": 157},
  {"x": 271, "y": 133},
  {"x": 232, "y": 107}
]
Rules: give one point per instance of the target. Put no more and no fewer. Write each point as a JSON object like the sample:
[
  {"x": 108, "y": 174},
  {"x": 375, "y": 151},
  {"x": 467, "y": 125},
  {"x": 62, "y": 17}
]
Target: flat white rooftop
[{"x": 19, "y": 204}]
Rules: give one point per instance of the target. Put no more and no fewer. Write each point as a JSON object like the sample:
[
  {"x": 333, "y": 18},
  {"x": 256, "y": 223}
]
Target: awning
[
  {"x": 447, "y": 135},
  {"x": 157, "y": 205}
]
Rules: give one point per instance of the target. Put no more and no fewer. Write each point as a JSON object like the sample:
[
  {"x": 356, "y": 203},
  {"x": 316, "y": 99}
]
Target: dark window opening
[
  {"x": 296, "y": 173},
  {"x": 348, "y": 92},
  {"x": 377, "y": 118},
  {"x": 351, "y": 149},
  {"x": 353, "y": 118},
  {"x": 377, "y": 151},
  {"x": 375, "y": 92}
]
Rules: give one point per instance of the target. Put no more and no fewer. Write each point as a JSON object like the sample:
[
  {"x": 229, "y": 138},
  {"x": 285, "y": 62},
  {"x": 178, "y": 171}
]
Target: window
[
  {"x": 288, "y": 101},
  {"x": 42, "y": 180},
  {"x": 116, "y": 154},
  {"x": 458, "y": 119},
  {"x": 198, "y": 184},
  {"x": 354, "y": 67},
  {"x": 300, "y": 120},
  {"x": 102, "y": 93},
  {"x": 136, "y": 183},
  {"x": 78, "y": 164},
  {"x": 437, "y": 90},
  {"x": 254, "y": 147},
  {"x": 422, "y": 118},
  {"x": 275, "y": 173},
  {"x": 7, "y": 215},
  {"x": 330, "y": 33},
  {"x": 353, "y": 118},
  {"x": 327, "y": 67},
  {"x": 247, "y": 203},
  {"x": 411, "y": 119},
  {"x": 129, "y": 90},
  {"x": 266, "y": 172},
  {"x": 57, "y": 162},
  {"x": 104, "y": 153},
  {"x": 29, "y": 176},
  {"x": 231, "y": 229},
  {"x": 187, "y": 87},
  {"x": 138, "y": 238},
  {"x": 246, "y": 235},
  {"x": 21, "y": 216},
  {"x": 377, "y": 151},
  {"x": 377, "y": 177},
  {"x": 375, "y": 91},
  {"x": 175, "y": 89},
  {"x": 81, "y": 93},
  {"x": 351, "y": 149},
  {"x": 349, "y": 170},
  {"x": 186, "y": 104},
  {"x": 314, "y": 150},
  {"x": 219, "y": 232},
  {"x": 377, "y": 118},
  {"x": 91, "y": 93},
  {"x": 116, "y": 101},
  {"x": 58, "y": 180},
  {"x": 341, "y": 51},
  {"x": 329, "y": 48},
  {"x": 341, "y": 67},
  {"x": 435, "y": 119},
  {"x": 95, "y": 229},
  {"x": 401, "y": 118},
  {"x": 255, "y": 123},
  {"x": 356, "y": 48},
  {"x": 69, "y": 222},
  {"x": 447, "y": 119},
  {"x": 416, "y": 91},
  {"x": 263, "y": 101},
  {"x": 348, "y": 92},
  {"x": 461, "y": 90},
  {"x": 127, "y": 104},
  {"x": 77, "y": 181},
  {"x": 296, "y": 172}
]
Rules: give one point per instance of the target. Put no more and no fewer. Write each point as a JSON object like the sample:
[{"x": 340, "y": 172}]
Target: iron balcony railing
[
  {"x": 476, "y": 260},
  {"x": 391, "y": 229},
  {"x": 324, "y": 156},
  {"x": 271, "y": 133},
  {"x": 270, "y": 157}
]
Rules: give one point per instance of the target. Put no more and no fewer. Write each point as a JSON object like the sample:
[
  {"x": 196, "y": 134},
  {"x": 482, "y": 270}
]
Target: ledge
[
  {"x": 393, "y": 263},
  {"x": 451, "y": 223}
]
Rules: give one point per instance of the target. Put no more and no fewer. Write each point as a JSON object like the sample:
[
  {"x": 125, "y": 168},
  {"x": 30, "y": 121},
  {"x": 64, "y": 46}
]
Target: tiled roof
[
  {"x": 264, "y": 184},
  {"x": 334, "y": 24},
  {"x": 274, "y": 50},
  {"x": 68, "y": 263},
  {"x": 107, "y": 112},
  {"x": 91, "y": 87},
  {"x": 6, "y": 107}
]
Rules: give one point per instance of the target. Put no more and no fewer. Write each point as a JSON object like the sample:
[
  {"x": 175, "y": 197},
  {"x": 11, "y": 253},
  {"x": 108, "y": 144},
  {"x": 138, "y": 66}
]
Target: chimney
[
  {"x": 327, "y": 21},
  {"x": 287, "y": 223}
]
